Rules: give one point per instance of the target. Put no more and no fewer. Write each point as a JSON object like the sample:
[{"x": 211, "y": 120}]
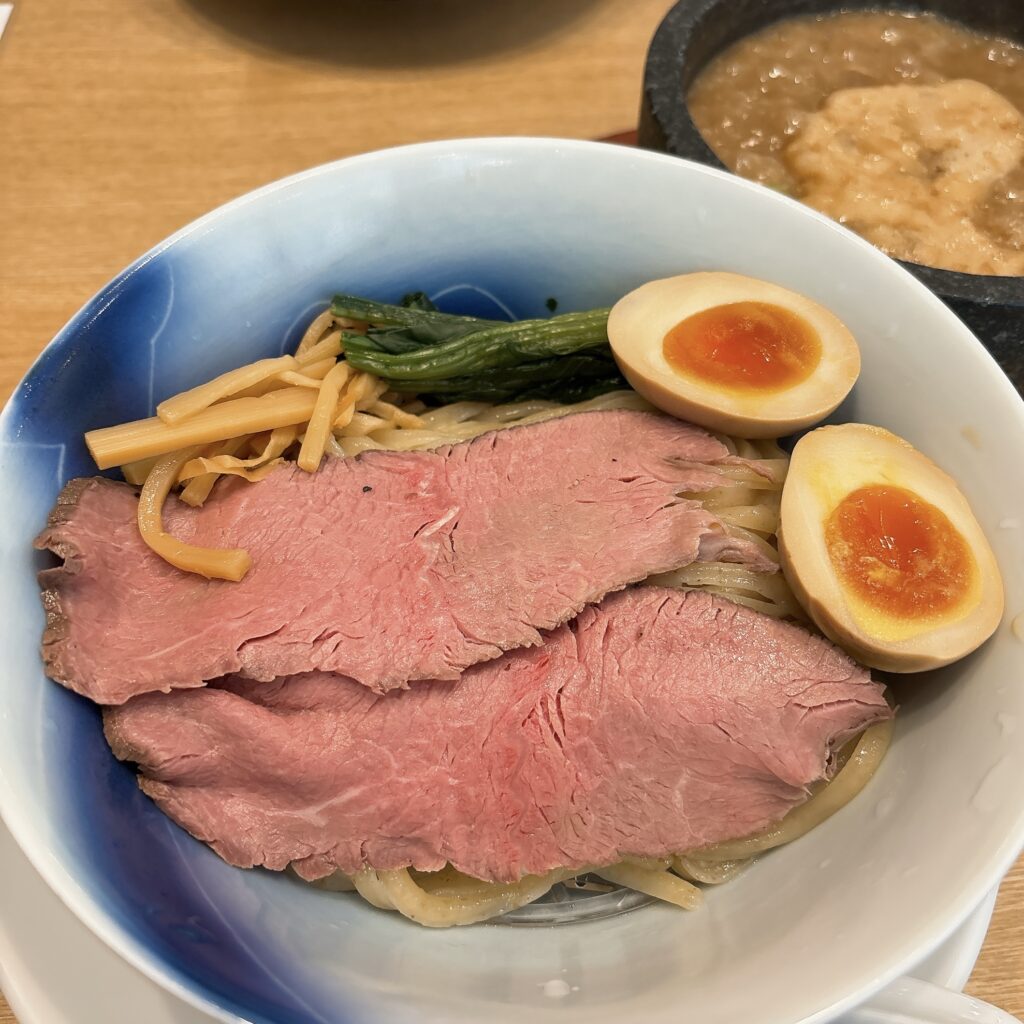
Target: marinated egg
[
  {"x": 883, "y": 551},
  {"x": 733, "y": 353}
]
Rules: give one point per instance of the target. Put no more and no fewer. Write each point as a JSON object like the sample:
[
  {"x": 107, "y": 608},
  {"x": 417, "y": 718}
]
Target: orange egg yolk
[
  {"x": 744, "y": 346},
  {"x": 899, "y": 553}
]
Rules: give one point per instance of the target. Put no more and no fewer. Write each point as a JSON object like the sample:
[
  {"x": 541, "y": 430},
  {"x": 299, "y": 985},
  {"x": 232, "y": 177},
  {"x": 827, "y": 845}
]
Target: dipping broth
[{"x": 906, "y": 128}]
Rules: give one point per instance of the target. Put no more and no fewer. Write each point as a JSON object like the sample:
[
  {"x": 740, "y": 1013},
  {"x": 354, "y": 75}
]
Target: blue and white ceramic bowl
[{"x": 504, "y": 225}]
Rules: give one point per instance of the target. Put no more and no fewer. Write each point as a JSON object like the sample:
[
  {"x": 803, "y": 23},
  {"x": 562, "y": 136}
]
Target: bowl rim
[
  {"x": 87, "y": 909},
  {"x": 665, "y": 100}
]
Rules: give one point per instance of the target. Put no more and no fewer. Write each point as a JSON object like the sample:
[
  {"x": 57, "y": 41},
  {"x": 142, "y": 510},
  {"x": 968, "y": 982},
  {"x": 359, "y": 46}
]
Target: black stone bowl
[{"x": 695, "y": 31}]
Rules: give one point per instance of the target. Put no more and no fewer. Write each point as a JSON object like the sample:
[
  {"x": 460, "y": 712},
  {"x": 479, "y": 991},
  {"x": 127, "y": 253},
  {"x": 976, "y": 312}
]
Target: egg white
[
  {"x": 640, "y": 320},
  {"x": 827, "y": 465}
]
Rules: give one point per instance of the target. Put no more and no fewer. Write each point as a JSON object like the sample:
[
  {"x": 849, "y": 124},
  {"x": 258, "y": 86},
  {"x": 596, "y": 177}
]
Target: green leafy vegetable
[
  {"x": 566, "y": 379},
  {"x": 414, "y": 322},
  {"x": 418, "y": 349},
  {"x": 419, "y": 300},
  {"x": 490, "y": 348}
]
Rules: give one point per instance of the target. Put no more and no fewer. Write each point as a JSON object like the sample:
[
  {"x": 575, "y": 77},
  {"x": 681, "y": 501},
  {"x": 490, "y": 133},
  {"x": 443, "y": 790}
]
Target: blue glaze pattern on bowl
[
  {"x": 496, "y": 228},
  {"x": 193, "y": 309}
]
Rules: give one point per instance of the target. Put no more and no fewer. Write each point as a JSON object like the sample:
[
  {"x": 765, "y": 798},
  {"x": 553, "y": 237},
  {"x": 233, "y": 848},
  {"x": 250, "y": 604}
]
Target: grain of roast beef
[
  {"x": 653, "y": 724},
  {"x": 385, "y": 568}
]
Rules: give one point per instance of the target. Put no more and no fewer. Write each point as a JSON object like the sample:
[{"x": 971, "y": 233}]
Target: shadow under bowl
[{"x": 694, "y": 32}]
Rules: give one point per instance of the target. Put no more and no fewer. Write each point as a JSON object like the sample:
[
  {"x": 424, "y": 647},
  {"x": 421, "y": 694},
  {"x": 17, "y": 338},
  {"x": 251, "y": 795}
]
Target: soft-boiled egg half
[
  {"x": 883, "y": 551},
  {"x": 733, "y": 353}
]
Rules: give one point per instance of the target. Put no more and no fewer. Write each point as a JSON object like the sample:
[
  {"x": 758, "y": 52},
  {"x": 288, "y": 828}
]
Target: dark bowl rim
[{"x": 665, "y": 95}]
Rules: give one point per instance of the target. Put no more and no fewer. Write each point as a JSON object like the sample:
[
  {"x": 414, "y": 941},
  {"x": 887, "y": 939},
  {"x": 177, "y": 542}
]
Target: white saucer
[{"x": 53, "y": 970}]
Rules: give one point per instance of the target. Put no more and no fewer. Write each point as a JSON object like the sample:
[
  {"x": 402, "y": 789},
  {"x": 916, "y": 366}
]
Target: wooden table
[{"x": 122, "y": 120}]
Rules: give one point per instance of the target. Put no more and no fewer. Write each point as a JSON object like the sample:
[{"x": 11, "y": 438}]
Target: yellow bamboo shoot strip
[
  {"x": 329, "y": 348},
  {"x": 213, "y": 563},
  {"x": 254, "y": 475},
  {"x": 315, "y": 331},
  {"x": 188, "y": 403},
  {"x": 321, "y": 419},
  {"x": 354, "y": 394},
  {"x": 277, "y": 444},
  {"x": 346, "y": 324},
  {"x": 363, "y": 391},
  {"x": 307, "y": 376},
  {"x": 376, "y": 388},
  {"x": 344, "y": 417},
  {"x": 142, "y": 439},
  {"x": 363, "y": 424},
  {"x": 367, "y": 390},
  {"x": 136, "y": 472},
  {"x": 388, "y": 411},
  {"x": 197, "y": 490},
  {"x": 317, "y": 370},
  {"x": 299, "y": 380},
  {"x": 308, "y": 379},
  {"x": 259, "y": 390}
]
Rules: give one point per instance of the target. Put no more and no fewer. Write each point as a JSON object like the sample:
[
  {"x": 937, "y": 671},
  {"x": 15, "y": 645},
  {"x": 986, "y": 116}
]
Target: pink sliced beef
[
  {"x": 386, "y": 568},
  {"x": 653, "y": 724}
]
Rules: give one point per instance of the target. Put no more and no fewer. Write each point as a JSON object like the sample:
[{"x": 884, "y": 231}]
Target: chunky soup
[{"x": 907, "y": 128}]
